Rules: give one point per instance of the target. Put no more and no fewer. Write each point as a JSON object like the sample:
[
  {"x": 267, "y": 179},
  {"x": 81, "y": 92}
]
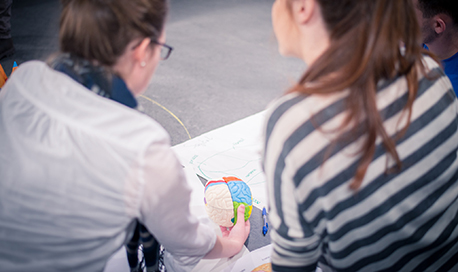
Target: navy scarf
[{"x": 95, "y": 78}]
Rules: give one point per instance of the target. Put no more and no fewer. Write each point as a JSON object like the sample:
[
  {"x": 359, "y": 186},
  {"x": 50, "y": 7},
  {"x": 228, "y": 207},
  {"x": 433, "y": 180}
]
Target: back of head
[
  {"x": 431, "y": 8},
  {"x": 100, "y": 30},
  {"x": 366, "y": 37},
  {"x": 370, "y": 41}
]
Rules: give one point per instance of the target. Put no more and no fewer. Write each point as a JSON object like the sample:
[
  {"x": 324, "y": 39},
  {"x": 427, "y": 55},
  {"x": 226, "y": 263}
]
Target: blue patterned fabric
[{"x": 97, "y": 79}]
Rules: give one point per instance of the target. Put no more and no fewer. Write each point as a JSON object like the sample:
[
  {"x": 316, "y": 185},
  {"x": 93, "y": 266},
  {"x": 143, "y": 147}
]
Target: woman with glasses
[
  {"x": 80, "y": 166},
  {"x": 361, "y": 154}
]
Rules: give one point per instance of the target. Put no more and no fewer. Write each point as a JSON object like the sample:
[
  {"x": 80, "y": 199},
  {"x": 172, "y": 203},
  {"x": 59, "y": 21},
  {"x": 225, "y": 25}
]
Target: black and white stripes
[{"x": 400, "y": 221}]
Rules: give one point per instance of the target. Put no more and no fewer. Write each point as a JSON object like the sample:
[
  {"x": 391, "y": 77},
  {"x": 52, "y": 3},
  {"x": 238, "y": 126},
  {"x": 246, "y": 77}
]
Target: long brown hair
[
  {"x": 370, "y": 41},
  {"x": 100, "y": 30}
]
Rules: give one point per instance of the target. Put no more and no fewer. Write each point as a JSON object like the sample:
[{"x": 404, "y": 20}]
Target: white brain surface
[{"x": 220, "y": 207}]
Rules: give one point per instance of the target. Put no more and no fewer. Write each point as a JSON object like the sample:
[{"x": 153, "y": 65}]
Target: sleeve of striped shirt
[
  {"x": 294, "y": 253},
  {"x": 295, "y": 246}
]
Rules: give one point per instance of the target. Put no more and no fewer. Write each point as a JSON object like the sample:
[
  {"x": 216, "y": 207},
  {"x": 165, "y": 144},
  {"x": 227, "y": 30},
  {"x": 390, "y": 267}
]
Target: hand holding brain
[{"x": 223, "y": 197}]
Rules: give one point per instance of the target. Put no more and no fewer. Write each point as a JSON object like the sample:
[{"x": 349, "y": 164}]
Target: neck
[
  {"x": 312, "y": 51},
  {"x": 312, "y": 48},
  {"x": 445, "y": 46}
]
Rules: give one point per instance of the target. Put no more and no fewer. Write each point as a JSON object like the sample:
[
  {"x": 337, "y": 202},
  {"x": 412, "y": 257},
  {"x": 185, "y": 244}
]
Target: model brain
[{"x": 223, "y": 197}]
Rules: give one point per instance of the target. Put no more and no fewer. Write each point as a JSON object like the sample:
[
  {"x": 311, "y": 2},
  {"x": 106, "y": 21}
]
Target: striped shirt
[{"x": 400, "y": 221}]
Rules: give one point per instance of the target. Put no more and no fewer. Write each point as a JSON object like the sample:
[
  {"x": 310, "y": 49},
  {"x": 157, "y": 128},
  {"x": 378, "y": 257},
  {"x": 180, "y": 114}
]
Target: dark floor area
[{"x": 224, "y": 66}]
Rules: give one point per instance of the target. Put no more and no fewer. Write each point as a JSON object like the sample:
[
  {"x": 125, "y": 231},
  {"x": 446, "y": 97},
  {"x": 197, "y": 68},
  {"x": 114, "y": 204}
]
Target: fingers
[
  {"x": 241, "y": 229},
  {"x": 247, "y": 227},
  {"x": 241, "y": 214},
  {"x": 224, "y": 231}
]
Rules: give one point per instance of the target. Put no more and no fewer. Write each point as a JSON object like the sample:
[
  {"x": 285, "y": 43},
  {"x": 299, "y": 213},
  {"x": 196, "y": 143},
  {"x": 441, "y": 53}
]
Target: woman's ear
[
  {"x": 303, "y": 10},
  {"x": 141, "y": 51}
]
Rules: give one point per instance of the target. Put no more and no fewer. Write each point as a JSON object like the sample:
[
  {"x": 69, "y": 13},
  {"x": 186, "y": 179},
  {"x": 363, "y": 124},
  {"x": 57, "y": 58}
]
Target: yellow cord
[{"x": 171, "y": 113}]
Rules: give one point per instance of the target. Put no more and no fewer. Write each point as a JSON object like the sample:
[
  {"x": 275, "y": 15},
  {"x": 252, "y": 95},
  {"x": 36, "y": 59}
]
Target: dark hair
[
  {"x": 100, "y": 30},
  {"x": 365, "y": 48},
  {"x": 431, "y": 8}
]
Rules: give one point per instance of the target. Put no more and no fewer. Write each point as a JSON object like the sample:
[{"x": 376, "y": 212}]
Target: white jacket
[{"x": 76, "y": 169}]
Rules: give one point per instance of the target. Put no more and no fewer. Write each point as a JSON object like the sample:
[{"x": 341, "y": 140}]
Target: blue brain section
[{"x": 240, "y": 191}]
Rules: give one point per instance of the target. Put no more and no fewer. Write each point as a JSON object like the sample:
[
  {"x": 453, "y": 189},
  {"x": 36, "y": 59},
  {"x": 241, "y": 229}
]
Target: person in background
[
  {"x": 80, "y": 166},
  {"x": 6, "y": 42},
  {"x": 361, "y": 154},
  {"x": 439, "y": 26}
]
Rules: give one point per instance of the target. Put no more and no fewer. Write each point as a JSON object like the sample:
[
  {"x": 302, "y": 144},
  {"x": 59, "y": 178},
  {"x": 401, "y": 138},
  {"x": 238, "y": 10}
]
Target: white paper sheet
[
  {"x": 253, "y": 261},
  {"x": 232, "y": 150},
  {"x": 256, "y": 261},
  {"x": 218, "y": 265}
]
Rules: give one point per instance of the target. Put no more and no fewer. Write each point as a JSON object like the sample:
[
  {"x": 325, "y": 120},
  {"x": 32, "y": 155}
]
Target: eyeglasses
[{"x": 166, "y": 50}]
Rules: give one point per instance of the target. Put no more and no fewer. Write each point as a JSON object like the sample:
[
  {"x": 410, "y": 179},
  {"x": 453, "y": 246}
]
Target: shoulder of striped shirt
[
  {"x": 429, "y": 63},
  {"x": 307, "y": 104}
]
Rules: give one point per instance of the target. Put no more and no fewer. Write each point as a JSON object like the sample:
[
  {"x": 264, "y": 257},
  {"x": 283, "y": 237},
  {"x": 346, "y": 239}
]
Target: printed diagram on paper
[
  {"x": 232, "y": 150},
  {"x": 256, "y": 261},
  {"x": 242, "y": 157}
]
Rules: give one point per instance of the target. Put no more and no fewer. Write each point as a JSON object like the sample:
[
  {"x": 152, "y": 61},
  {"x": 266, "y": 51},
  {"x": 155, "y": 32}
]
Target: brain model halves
[{"x": 223, "y": 197}]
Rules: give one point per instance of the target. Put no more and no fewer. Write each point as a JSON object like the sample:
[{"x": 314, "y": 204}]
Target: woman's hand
[
  {"x": 240, "y": 230},
  {"x": 232, "y": 240}
]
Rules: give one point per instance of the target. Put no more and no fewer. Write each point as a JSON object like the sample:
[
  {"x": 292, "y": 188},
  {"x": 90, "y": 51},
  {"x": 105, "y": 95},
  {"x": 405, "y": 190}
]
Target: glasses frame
[{"x": 168, "y": 47}]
